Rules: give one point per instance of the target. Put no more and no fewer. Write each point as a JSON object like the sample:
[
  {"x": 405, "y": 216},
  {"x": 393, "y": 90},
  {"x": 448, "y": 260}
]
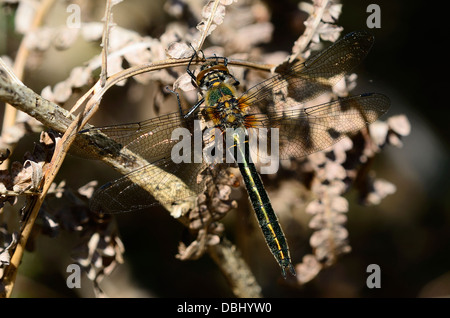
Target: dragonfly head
[{"x": 213, "y": 73}]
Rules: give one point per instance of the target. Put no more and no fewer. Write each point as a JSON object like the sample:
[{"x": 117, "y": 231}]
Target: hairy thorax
[{"x": 222, "y": 106}]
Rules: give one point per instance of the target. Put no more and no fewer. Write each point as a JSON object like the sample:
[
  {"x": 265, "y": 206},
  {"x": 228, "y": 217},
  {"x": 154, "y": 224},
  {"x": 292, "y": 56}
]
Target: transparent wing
[
  {"x": 161, "y": 183},
  {"x": 308, "y": 130},
  {"x": 151, "y": 139},
  {"x": 305, "y": 81}
]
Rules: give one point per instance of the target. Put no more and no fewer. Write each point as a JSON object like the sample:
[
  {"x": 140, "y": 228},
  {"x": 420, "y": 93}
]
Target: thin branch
[
  {"x": 19, "y": 64},
  {"x": 208, "y": 24},
  {"x": 303, "y": 41},
  {"x": 104, "y": 67},
  {"x": 133, "y": 71},
  {"x": 9, "y": 72},
  {"x": 56, "y": 162},
  {"x": 105, "y": 42},
  {"x": 236, "y": 271},
  {"x": 60, "y": 152},
  {"x": 83, "y": 98}
]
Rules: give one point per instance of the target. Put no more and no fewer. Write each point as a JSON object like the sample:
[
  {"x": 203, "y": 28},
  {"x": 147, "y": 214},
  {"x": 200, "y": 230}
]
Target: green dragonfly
[{"x": 298, "y": 132}]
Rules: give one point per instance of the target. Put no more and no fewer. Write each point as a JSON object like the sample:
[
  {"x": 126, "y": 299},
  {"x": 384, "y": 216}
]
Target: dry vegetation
[{"x": 145, "y": 65}]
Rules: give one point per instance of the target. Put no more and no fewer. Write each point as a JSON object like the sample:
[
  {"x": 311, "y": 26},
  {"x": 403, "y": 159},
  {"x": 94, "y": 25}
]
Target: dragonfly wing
[
  {"x": 305, "y": 81},
  {"x": 308, "y": 130},
  {"x": 151, "y": 139},
  {"x": 160, "y": 183}
]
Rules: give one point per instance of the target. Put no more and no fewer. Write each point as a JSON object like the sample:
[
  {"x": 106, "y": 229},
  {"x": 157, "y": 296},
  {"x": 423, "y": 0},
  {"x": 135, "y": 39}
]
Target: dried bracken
[
  {"x": 212, "y": 206},
  {"x": 234, "y": 29},
  {"x": 99, "y": 249},
  {"x": 333, "y": 173},
  {"x": 8, "y": 241}
]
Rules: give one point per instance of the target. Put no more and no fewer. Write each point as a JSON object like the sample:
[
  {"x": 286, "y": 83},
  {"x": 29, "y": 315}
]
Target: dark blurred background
[{"x": 407, "y": 235}]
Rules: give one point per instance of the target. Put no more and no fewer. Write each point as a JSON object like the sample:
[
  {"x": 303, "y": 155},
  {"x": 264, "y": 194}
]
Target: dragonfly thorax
[
  {"x": 223, "y": 108},
  {"x": 221, "y": 104}
]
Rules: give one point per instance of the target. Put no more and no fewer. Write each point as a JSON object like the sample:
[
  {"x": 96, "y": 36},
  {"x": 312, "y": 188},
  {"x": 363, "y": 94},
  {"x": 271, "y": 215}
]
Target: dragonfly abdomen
[
  {"x": 266, "y": 216},
  {"x": 267, "y": 219}
]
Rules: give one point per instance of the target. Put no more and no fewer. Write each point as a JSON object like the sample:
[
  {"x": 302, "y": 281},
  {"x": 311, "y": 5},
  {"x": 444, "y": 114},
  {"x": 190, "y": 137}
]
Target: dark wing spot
[{"x": 333, "y": 133}]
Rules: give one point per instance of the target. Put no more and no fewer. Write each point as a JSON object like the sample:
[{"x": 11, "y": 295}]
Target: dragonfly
[{"x": 300, "y": 131}]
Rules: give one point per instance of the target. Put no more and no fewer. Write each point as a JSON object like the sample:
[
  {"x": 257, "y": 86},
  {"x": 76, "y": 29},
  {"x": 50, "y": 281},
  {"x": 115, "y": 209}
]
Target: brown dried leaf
[
  {"x": 219, "y": 15},
  {"x": 339, "y": 204},
  {"x": 381, "y": 189},
  {"x": 179, "y": 50},
  {"x": 57, "y": 189},
  {"x": 138, "y": 54},
  {"x": 24, "y": 16},
  {"x": 400, "y": 124},
  {"x": 64, "y": 37},
  {"x": 321, "y": 220},
  {"x": 92, "y": 31},
  {"x": 317, "y": 158},
  {"x": 202, "y": 28},
  {"x": 36, "y": 175},
  {"x": 184, "y": 82},
  {"x": 8, "y": 242},
  {"x": 395, "y": 140},
  {"x": 333, "y": 171},
  {"x": 212, "y": 240},
  {"x": 378, "y": 132},
  {"x": 79, "y": 76},
  {"x": 317, "y": 28},
  {"x": 251, "y": 35},
  {"x": 189, "y": 252},
  {"x": 22, "y": 176},
  {"x": 101, "y": 249},
  {"x": 314, "y": 207},
  {"x": 47, "y": 93},
  {"x": 319, "y": 237},
  {"x": 329, "y": 243},
  {"x": 88, "y": 189},
  {"x": 332, "y": 13},
  {"x": 328, "y": 32},
  {"x": 341, "y": 148},
  {"x": 40, "y": 39},
  {"x": 62, "y": 92},
  {"x": 308, "y": 269}
]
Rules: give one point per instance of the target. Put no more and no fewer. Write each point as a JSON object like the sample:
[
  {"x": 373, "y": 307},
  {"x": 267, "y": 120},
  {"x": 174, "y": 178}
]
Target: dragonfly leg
[
  {"x": 188, "y": 69},
  {"x": 178, "y": 100},
  {"x": 193, "y": 108},
  {"x": 236, "y": 82}
]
